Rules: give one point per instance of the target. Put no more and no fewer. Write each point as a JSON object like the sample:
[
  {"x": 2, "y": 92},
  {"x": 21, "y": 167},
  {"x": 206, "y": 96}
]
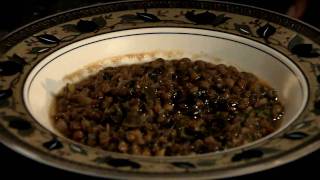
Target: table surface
[{"x": 13, "y": 16}]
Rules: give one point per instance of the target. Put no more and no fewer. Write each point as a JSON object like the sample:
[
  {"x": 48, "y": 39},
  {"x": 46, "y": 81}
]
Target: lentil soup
[{"x": 167, "y": 108}]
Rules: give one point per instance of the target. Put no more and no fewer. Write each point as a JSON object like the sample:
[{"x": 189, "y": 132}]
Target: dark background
[{"x": 15, "y": 13}]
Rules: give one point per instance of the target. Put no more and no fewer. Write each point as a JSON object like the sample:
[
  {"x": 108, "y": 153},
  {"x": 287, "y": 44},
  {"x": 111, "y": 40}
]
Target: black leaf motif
[
  {"x": 317, "y": 104},
  {"x": 317, "y": 107},
  {"x": 201, "y": 18},
  {"x": 220, "y": 19},
  {"x": 48, "y": 39},
  {"x": 184, "y": 165},
  {"x": 77, "y": 149},
  {"x": 38, "y": 50},
  {"x": 248, "y": 154},
  {"x": 70, "y": 28},
  {"x": 19, "y": 124},
  {"x": 243, "y": 29},
  {"x": 86, "y": 26},
  {"x": 53, "y": 144},
  {"x": 5, "y": 94},
  {"x": 318, "y": 78},
  {"x": 295, "y": 41},
  {"x": 116, "y": 162},
  {"x": 266, "y": 31},
  {"x": 304, "y": 50},
  {"x": 100, "y": 21},
  {"x": 8, "y": 68},
  {"x": 295, "y": 135},
  {"x": 23, "y": 127},
  {"x": 147, "y": 17},
  {"x": 18, "y": 59}
]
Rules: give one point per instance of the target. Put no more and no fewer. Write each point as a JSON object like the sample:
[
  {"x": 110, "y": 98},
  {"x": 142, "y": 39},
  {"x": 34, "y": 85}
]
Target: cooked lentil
[{"x": 166, "y": 108}]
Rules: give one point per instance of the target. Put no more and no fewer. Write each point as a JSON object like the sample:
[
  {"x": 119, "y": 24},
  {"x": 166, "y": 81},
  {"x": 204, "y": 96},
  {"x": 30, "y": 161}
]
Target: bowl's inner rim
[{"x": 303, "y": 82}]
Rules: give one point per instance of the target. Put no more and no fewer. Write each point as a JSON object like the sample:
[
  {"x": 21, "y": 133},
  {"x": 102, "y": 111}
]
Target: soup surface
[{"x": 167, "y": 107}]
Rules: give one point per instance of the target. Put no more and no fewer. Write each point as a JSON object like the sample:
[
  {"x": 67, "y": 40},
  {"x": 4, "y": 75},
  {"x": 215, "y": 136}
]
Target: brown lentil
[{"x": 166, "y": 108}]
